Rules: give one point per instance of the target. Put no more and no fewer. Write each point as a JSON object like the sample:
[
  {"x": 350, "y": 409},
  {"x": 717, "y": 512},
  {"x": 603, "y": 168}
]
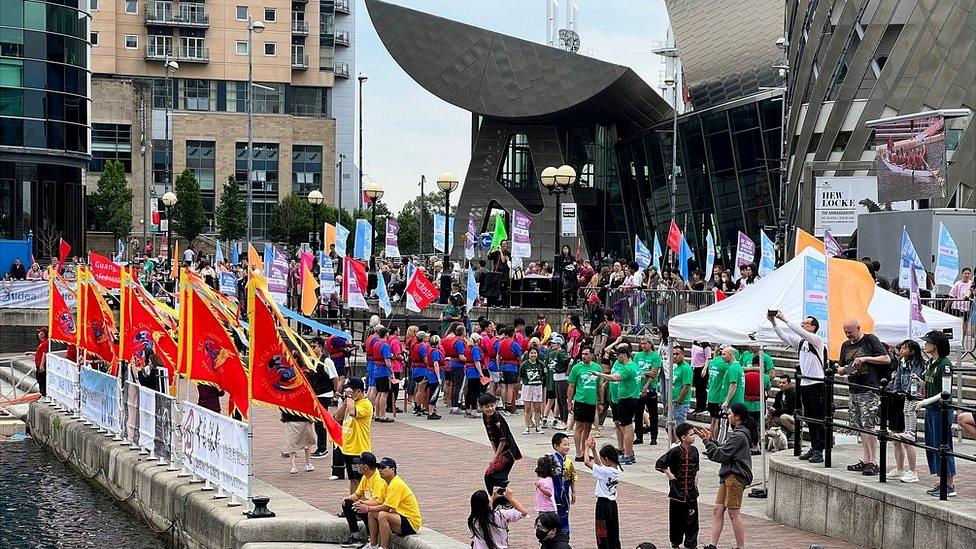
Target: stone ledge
[{"x": 167, "y": 502}]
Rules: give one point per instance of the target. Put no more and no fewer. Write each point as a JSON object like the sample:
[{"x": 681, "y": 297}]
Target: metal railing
[
  {"x": 639, "y": 310},
  {"x": 183, "y": 53},
  {"x": 827, "y": 383},
  {"x": 341, "y": 69},
  {"x": 299, "y": 27},
  {"x": 299, "y": 61},
  {"x": 156, "y": 15},
  {"x": 342, "y": 37},
  {"x": 342, "y": 6},
  {"x": 200, "y": 55}
]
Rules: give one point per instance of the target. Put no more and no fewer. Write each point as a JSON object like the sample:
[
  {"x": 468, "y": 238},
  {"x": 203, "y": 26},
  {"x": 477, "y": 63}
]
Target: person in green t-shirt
[
  {"x": 715, "y": 372},
  {"x": 733, "y": 385},
  {"x": 557, "y": 366},
  {"x": 532, "y": 374},
  {"x": 583, "y": 384},
  {"x": 748, "y": 362},
  {"x": 649, "y": 362},
  {"x": 625, "y": 388},
  {"x": 938, "y": 379},
  {"x": 682, "y": 376}
]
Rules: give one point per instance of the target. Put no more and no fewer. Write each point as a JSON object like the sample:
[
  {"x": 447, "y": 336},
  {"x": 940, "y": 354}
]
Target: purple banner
[
  {"x": 278, "y": 276},
  {"x": 470, "y": 239},
  {"x": 521, "y": 244},
  {"x": 745, "y": 252},
  {"x": 392, "y": 228}
]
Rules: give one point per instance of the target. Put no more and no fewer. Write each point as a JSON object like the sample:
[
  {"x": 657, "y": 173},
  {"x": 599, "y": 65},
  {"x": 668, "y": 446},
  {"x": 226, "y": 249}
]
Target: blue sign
[
  {"x": 485, "y": 240},
  {"x": 815, "y": 292}
]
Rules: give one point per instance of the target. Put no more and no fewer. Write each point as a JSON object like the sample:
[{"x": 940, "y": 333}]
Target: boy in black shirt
[
  {"x": 502, "y": 442},
  {"x": 680, "y": 464}
]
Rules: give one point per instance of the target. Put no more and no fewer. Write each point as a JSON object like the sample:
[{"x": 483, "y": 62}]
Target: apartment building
[{"x": 169, "y": 92}]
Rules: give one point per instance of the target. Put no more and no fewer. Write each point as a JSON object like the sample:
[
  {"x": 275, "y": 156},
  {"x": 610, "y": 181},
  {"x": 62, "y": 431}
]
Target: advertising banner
[
  {"x": 25, "y": 294},
  {"x": 521, "y": 244},
  {"x": 354, "y": 283},
  {"x": 342, "y": 237},
  {"x": 228, "y": 283},
  {"x": 100, "y": 400},
  {"x": 422, "y": 291},
  {"x": 910, "y": 159},
  {"x": 276, "y": 270},
  {"x": 642, "y": 254},
  {"x": 947, "y": 260},
  {"x": 709, "y": 254},
  {"x": 327, "y": 284},
  {"x": 470, "y": 240},
  {"x": 567, "y": 219},
  {"x": 216, "y": 448},
  {"x": 106, "y": 272},
  {"x": 392, "y": 229},
  {"x": 62, "y": 381},
  {"x": 363, "y": 246},
  {"x": 767, "y": 261},
  {"x": 131, "y": 391},
  {"x": 440, "y": 235},
  {"x": 910, "y": 263},
  {"x": 917, "y": 327},
  {"x": 745, "y": 252},
  {"x": 815, "y": 292}
]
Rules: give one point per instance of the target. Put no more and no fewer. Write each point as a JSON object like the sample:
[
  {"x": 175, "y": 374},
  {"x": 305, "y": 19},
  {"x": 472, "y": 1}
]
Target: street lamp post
[
  {"x": 375, "y": 192},
  {"x": 447, "y": 182},
  {"x": 558, "y": 182},
  {"x": 342, "y": 156},
  {"x": 316, "y": 199},
  {"x": 169, "y": 200},
  {"x": 359, "y": 200},
  {"x": 670, "y": 82},
  {"x": 253, "y": 27},
  {"x": 170, "y": 67}
]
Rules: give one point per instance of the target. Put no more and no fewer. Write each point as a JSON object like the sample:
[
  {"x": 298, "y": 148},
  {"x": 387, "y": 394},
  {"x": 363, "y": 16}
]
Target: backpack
[{"x": 753, "y": 386}]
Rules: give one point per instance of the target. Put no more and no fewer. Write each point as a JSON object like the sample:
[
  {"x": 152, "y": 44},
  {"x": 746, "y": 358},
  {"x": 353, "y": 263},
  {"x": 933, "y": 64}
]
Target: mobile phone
[
  {"x": 500, "y": 490},
  {"x": 771, "y": 312}
]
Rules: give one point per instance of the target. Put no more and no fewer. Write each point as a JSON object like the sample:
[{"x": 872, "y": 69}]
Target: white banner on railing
[
  {"x": 62, "y": 381},
  {"x": 149, "y": 421},
  {"x": 100, "y": 400},
  {"x": 216, "y": 448}
]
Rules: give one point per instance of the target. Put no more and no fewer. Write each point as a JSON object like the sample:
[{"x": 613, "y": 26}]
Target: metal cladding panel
[
  {"x": 504, "y": 77},
  {"x": 727, "y": 47}
]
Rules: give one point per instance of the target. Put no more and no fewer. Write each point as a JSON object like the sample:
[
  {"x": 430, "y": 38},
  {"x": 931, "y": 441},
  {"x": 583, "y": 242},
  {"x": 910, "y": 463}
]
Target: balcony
[
  {"x": 342, "y": 37},
  {"x": 342, "y": 6},
  {"x": 167, "y": 18},
  {"x": 299, "y": 61},
  {"x": 299, "y": 28},
  {"x": 341, "y": 69},
  {"x": 182, "y": 55}
]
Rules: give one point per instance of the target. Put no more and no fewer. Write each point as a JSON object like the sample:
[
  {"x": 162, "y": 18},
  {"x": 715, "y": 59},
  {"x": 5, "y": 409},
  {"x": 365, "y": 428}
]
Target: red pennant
[
  {"x": 142, "y": 330},
  {"x": 674, "y": 237},
  {"x": 97, "y": 330},
  {"x": 212, "y": 356},
  {"x": 63, "y": 250},
  {"x": 719, "y": 295},
  {"x": 61, "y": 321},
  {"x": 106, "y": 272},
  {"x": 423, "y": 291}
]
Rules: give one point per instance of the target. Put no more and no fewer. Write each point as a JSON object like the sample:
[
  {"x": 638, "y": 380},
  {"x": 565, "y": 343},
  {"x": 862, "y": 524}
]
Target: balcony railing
[
  {"x": 341, "y": 37},
  {"x": 161, "y": 17},
  {"x": 182, "y": 54},
  {"x": 194, "y": 55},
  {"x": 299, "y": 27},
  {"x": 341, "y": 69},
  {"x": 342, "y": 6},
  {"x": 299, "y": 61}
]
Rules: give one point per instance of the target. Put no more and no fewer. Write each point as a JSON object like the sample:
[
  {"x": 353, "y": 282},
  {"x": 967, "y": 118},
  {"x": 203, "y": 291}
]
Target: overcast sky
[{"x": 409, "y": 131}]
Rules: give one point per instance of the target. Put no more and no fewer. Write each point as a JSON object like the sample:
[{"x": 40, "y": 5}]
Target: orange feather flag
[
  {"x": 806, "y": 240},
  {"x": 210, "y": 353},
  {"x": 309, "y": 297},
  {"x": 253, "y": 259},
  {"x": 850, "y": 290}
]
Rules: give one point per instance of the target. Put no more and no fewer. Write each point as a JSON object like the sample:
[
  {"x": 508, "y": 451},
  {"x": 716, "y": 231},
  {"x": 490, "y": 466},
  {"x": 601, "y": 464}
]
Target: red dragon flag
[
  {"x": 61, "y": 321},
  {"x": 211, "y": 355},
  {"x": 96, "y": 330},
  {"x": 276, "y": 366},
  {"x": 142, "y": 331}
]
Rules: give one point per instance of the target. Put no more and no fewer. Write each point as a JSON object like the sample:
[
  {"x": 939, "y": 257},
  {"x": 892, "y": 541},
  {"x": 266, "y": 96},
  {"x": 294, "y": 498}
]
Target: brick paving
[{"x": 445, "y": 466}]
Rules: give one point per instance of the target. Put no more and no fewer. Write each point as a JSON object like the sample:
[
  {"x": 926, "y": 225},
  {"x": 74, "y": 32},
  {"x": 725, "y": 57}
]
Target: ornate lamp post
[
  {"x": 374, "y": 191},
  {"x": 558, "y": 181},
  {"x": 253, "y": 27},
  {"x": 316, "y": 199},
  {"x": 447, "y": 182}
]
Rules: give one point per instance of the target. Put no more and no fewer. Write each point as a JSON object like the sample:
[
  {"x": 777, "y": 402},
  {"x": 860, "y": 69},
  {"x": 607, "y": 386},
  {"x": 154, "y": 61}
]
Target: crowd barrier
[
  {"x": 640, "y": 310},
  {"x": 202, "y": 444}
]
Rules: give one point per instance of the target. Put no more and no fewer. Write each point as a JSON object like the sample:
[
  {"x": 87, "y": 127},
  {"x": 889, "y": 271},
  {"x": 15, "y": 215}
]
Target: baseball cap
[
  {"x": 387, "y": 462},
  {"x": 367, "y": 459},
  {"x": 356, "y": 384},
  {"x": 556, "y": 338},
  {"x": 593, "y": 298}
]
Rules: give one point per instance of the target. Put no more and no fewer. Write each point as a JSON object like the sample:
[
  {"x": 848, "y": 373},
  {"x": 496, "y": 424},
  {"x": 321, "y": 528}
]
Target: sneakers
[
  {"x": 950, "y": 491},
  {"x": 293, "y": 471},
  {"x": 809, "y": 454},
  {"x": 539, "y": 431},
  {"x": 433, "y": 416},
  {"x": 628, "y": 460},
  {"x": 545, "y": 422},
  {"x": 909, "y": 477},
  {"x": 335, "y": 477},
  {"x": 353, "y": 542},
  {"x": 456, "y": 412},
  {"x": 817, "y": 457},
  {"x": 859, "y": 466},
  {"x": 525, "y": 432},
  {"x": 319, "y": 454},
  {"x": 896, "y": 473},
  {"x": 870, "y": 470},
  {"x": 309, "y": 468}
]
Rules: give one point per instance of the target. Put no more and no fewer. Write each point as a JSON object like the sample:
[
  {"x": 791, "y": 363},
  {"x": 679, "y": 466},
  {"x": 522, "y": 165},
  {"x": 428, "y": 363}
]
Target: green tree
[
  {"x": 112, "y": 202},
  {"x": 433, "y": 203},
  {"x": 189, "y": 218},
  {"x": 291, "y": 220},
  {"x": 232, "y": 212}
]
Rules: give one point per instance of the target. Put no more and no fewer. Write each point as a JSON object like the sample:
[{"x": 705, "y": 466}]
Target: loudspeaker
[{"x": 491, "y": 285}]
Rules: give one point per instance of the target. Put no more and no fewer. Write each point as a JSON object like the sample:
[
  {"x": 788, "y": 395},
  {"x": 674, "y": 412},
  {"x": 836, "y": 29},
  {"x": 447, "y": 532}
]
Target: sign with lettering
[
  {"x": 62, "y": 381},
  {"x": 100, "y": 400},
  {"x": 216, "y": 447},
  {"x": 839, "y": 200}
]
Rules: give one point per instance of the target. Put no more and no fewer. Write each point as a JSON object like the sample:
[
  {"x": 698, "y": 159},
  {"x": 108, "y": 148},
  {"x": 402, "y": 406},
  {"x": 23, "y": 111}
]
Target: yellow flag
[
  {"x": 309, "y": 285},
  {"x": 806, "y": 240},
  {"x": 253, "y": 259},
  {"x": 174, "y": 269}
]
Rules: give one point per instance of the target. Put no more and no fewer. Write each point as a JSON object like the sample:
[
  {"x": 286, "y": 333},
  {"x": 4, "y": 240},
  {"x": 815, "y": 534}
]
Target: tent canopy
[{"x": 741, "y": 318}]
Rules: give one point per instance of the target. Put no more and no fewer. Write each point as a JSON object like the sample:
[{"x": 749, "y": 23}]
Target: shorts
[
  {"x": 340, "y": 367},
  {"x": 406, "y": 529},
  {"x": 351, "y": 470},
  {"x": 902, "y": 417},
  {"x": 680, "y": 413},
  {"x": 730, "y": 493},
  {"x": 550, "y": 394},
  {"x": 382, "y": 384},
  {"x": 714, "y": 409},
  {"x": 301, "y": 435},
  {"x": 432, "y": 378},
  {"x": 625, "y": 411},
  {"x": 532, "y": 393},
  {"x": 370, "y": 373},
  {"x": 511, "y": 378},
  {"x": 583, "y": 412},
  {"x": 419, "y": 376},
  {"x": 864, "y": 410},
  {"x": 495, "y": 376}
]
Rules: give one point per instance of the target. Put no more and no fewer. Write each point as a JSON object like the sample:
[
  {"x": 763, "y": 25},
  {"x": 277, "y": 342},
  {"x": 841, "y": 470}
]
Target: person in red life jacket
[
  {"x": 410, "y": 389},
  {"x": 518, "y": 329},
  {"x": 382, "y": 372},
  {"x": 339, "y": 349},
  {"x": 40, "y": 365},
  {"x": 457, "y": 359},
  {"x": 487, "y": 345},
  {"x": 613, "y": 333},
  {"x": 417, "y": 358},
  {"x": 435, "y": 362},
  {"x": 72, "y": 352},
  {"x": 509, "y": 356},
  {"x": 371, "y": 339},
  {"x": 473, "y": 365},
  {"x": 396, "y": 366},
  {"x": 447, "y": 344}
]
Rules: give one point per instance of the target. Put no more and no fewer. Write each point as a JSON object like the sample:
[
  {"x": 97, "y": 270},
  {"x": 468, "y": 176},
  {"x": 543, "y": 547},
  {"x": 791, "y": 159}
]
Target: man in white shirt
[
  {"x": 325, "y": 381},
  {"x": 812, "y": 354}
]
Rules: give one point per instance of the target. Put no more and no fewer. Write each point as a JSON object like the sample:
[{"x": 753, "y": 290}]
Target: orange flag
[
  {"x": 182, "y": 363},
  {"x": 253, "y": 259},
  {"x": 211, "y": 355},
  {"x": 309, "y": 285},
  {"x": 142, "y": 330},
  {"x": 850, "y": 289},
  {"x": 330, "y": 236},
  {"x": 97, "y": 330},
  {"x": 806, "y": 240},
  {"x": 60, "y": 321},
  {"x": 276, "y": 373}
]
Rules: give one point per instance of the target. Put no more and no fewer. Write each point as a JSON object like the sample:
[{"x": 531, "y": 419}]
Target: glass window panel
[
  {"x": 35, "y": 16},
  {"x": 11, "y": 42},
  {"x": 11, "y": 102},
  {"x": 11, "y": 73},
  {"x": 748, "y": 149},
  {"x": 715, "y": 122},
  {"x": 841, "y": 142},
  {"x": 772, "y": 113},
  {"x": 720, "y": 149},
  {"x": 12, "y": 14},
  {"x": 744, "y": 117}
]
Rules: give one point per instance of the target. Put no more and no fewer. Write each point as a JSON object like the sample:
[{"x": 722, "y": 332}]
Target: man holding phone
[{"x": 812, "y": 355}]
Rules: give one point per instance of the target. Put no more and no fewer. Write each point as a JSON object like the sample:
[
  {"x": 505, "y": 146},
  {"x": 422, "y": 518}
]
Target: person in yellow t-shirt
[
  {"x": 357, "y": 425},
  {"x": 370, "y": 491},
  {"x": 398, "y": 511}
]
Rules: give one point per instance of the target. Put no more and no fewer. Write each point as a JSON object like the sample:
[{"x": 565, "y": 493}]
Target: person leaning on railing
[
  {"x": 812, "y": 352},
  {"x": 938, "y": 380}
]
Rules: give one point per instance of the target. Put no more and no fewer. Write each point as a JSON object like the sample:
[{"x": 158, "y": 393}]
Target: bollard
[
  {"x": 798, "y": 427},
  {"x": 883, "y": 432},
  {"x": 828, "y": 388},
  {"x": 944, "y": 436}
]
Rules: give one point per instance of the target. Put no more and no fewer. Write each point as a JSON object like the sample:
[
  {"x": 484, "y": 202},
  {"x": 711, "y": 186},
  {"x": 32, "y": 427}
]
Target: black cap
[
  {"x": 355, "y": 384},
  {"x": 367, "y": 459},
  {"x": 939, "y": 339},
  {"x": 387, "y": 462}
]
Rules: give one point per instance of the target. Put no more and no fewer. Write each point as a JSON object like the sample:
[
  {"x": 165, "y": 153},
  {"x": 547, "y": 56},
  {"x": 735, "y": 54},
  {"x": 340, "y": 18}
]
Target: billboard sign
[{"x": 910, "y": 159}]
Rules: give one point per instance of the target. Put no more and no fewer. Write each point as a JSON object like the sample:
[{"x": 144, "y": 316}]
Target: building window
[
  {"x": 93, "y": 5},
  {"x": 841, "y": 142},
  {"x": 270, "y": 15},
  {"x": 270, "y": 49},
  {"x": 235, "y": 98},
  {"x": 516, "y": 170},
  {"x": 111, "y": 142},
  {"x": 241, "y": 47},
  {"x": 193, "y": 12},
  {"x": 160, "y": 46},
  {"x": 264, "y": 181},
  {"x": 242, "y": 13},
  {"x": 131, "y": 7},
  {"x": 308, "y": 102},
  {"x": 197, "y": 95},
  {"x": 93, "y": 38},
  {"x": 192, "y": 47},
  {"x": 201, "y": 158},
  {"x": 131, "y": 41},
  {"x": 269, "y": 101},
  {"x": 306, "y": 169}
]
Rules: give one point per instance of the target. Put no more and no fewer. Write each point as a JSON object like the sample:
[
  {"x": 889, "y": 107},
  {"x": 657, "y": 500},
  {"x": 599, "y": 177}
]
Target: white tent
[{"x": 741, "y": 318}]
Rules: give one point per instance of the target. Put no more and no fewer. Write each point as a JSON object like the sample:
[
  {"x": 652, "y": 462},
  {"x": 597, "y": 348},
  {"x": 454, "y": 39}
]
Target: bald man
[
  {"x": 714, "y": 372},
  {"x": 865, "y": 361}
]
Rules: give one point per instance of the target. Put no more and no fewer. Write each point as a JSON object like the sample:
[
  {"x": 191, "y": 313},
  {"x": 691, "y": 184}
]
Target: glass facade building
[{"x": 44, "y": 119}]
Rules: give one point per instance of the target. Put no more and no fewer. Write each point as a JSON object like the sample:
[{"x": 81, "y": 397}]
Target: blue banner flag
[
  {"x": 383, "y": 295},
  {"x": 297, "y": 317},
  {"x": 228, "y": 283},
  {"x": 656, "y": 257},
  {"x": 235, "y": 253},
  {"x": 342, "y": 238},
  {"x": 119, "y": 251},
  {"x": 709, "y": 254},
  {"x": 441, "y": 235},
  {"x": 364, "y": 246},
  {"x": 909, "y": 259},
  {"x": 767, "y": 257},
  {"x": 642, "y": 255},
  {"x": 947, "y": 260},
  {"x": 684, "y": 255},
  {"x": 472, "y": 293},
  {"x": 815, "y": 292},
  {"x": 327, "y": 285},
  {"x": 218, "y": 253}
]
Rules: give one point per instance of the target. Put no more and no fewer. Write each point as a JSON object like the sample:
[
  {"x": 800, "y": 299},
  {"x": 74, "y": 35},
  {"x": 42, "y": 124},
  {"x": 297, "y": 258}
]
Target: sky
[{"x": 408, "y": 131}]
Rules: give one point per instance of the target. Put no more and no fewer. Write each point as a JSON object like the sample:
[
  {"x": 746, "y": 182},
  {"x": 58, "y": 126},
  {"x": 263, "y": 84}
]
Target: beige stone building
[{"x": 295, "y": 69}]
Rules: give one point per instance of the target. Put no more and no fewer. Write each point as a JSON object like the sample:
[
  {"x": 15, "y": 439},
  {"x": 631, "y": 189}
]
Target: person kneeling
[{"x": 397, "y": 512}]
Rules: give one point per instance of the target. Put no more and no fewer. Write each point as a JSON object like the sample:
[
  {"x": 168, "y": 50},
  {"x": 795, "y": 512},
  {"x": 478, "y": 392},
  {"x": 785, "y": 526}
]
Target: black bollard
[
  {"x": 828, "y": 416},
  {"x": 260, "y": 508},
  {"x": 945, "y": 435},
  {"x": 883, "y": 432},
  {"x": 798, "y": 424}
]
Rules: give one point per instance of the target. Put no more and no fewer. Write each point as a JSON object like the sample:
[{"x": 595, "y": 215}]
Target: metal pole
[
  {"x": 445, "y": 281},
  {"x": 339, "y": 188},
  {"x": 556, "y": 267},
  {"x": 359, "y": 200},
  {"x": 169, "y": 144},
  {"x": 169, "y": 237},
  {"x": 146, "y": 159},
  {"x": 250, "y": 131},
  {"x": 423, "y": 200},
  {"x": 674, "y": 152},
  {"x": 883, "y": 433},
  {"x": 372, "y": 238}
]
